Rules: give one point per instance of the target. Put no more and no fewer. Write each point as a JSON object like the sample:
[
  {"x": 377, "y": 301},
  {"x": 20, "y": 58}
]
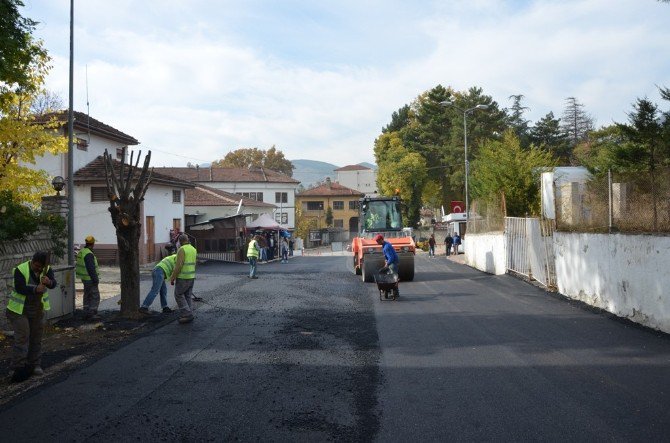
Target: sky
[{"x": 318, "y": 79}]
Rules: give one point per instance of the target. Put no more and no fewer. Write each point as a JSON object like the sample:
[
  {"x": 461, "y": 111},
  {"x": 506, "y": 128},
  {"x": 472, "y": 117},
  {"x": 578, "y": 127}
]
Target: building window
[
  {"x": 338, "y": 223},
  {"x": 99, "y": 194},
  {"x": 82, "y": 144},
  {"x": 338, "y": 205},
  {"x": 281, "y": 197},
  {"x": 258, "y": 196},
  {"x": 119, "y": 153},
  {"x": 176, "y": 196},
  {"x": 314, "y": 206},
  {"x": 281, "y": 217},
  {"x": 354, "y": 205}
]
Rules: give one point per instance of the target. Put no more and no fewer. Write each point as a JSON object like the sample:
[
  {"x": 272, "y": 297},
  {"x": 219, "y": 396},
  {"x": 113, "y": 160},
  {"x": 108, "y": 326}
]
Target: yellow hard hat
[{"x": 90, "y": 239}]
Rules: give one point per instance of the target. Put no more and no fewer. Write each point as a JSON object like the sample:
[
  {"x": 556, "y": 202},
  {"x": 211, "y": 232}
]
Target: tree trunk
[
  {"x": 129, "y": 265},
  {"x": 126, "y": 186}
]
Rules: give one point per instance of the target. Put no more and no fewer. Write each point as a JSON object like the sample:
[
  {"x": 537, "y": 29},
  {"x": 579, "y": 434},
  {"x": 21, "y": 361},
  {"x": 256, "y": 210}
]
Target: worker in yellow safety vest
[
  {"x": 183, "y": 277},
  {"x": 88, "y": 272},
  {"x": 162, "y": 271},
  {"x": 28, "y": 302},
  {"x": 253, "y": 251}
]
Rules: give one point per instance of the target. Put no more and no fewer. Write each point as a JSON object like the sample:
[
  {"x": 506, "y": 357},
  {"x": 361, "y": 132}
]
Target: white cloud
[{"x": 197, "y": 79}]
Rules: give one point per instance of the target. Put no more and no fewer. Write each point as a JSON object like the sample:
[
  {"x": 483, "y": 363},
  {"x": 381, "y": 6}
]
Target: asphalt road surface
[{"x": 309, "y": 353}]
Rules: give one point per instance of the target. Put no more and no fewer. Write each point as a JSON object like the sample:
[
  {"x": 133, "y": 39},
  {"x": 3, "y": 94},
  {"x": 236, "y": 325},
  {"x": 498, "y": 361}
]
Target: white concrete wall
[
  {"x": 92, "y": 218},
  {"x": 622, "y": 274},
  {"x": 158, "y": 203},
  {"x": 626, "y": 275},
  {"x": 486, "y": 252}
]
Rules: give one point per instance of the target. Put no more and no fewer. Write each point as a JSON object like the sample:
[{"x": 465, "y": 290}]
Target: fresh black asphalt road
[{"x": 309, "y": 353}]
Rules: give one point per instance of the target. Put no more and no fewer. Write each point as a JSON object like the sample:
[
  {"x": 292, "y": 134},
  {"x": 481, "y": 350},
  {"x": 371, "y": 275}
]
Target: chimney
[{"x": 328, "y": 183}]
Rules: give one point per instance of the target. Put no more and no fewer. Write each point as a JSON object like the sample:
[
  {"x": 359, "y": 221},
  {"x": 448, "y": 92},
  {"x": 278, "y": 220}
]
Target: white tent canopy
[{"x": 265, "y": 221}]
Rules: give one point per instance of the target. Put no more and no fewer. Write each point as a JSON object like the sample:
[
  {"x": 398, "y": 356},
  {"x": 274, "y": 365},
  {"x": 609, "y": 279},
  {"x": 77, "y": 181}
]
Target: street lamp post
[{"x": 465, "y": 145}]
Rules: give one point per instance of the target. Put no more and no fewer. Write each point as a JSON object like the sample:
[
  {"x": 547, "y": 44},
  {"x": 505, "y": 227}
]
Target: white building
[
  {"x": 162, "y": 208},
  {"x": 203, "y": 203},
  {"x": 358, "y": 177},
  {"x": 258, "y": 184}
]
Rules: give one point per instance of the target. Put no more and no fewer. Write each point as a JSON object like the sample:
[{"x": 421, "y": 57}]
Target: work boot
[
  {"x": 167, "y": 310},
  {"x": 143, "y": 310},
  {"x": 186, "y": 319}
]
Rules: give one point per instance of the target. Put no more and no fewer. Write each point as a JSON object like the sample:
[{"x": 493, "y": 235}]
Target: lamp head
[
  {"x": 58, "y": 183},
  {"x": 446, "y": 103},
  {"x": 482, "y": 107}
]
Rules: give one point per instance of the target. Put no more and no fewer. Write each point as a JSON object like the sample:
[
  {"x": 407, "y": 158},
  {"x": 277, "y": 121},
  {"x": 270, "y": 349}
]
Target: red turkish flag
[{"x": 457, "y": 206}]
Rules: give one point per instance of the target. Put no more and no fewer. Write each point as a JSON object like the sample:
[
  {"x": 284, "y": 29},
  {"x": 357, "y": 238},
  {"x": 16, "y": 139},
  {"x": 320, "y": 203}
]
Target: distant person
[
  {"x": 25, "y": 311},
  {"x": 448, "y": 242},
  {"x": 391, "y": 259},
  {"x": 290, "y": 247},
  {"x": 161, "y": 272},
  {"x": 431, "y": 245},
  {"x": 183, "y": 278},
  {"x": 457, "y": 243},
  {"x": 253, "y": 251},
  {"x": 89, "y": 274},
  {"x": 284, "y": 250}
]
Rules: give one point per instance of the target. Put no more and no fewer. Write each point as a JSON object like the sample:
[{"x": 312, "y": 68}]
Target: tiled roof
[
  {"x": 353, "y": 168},
  {"x": 94, "y": 172},
  {"x": 83, "y": 122},
  {"x": 239, "y": 175},
  {"x": 330, "y": 189},
  {"x": 206, "y": 196}
]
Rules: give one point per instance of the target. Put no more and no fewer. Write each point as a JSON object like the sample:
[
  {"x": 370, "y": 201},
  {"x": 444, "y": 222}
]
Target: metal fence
[
  {"x": 530, "y": 249},
  {"x": 633, "y": 202}
]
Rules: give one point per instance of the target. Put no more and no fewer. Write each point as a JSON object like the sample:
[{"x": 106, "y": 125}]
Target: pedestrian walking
[
  {"x": 431, "y": 245},
  {"x": 183, "y": 277},
  {"x": 284, "y": 250},
  {"x": 25, "y": 311},
  {"x": 448, "y": 242},
  {"x": 161, "y": 272},
  {"x": 87, "y": 271},
  {"x": 457, "y": 243},
  {"x": 253, "y": 251}
]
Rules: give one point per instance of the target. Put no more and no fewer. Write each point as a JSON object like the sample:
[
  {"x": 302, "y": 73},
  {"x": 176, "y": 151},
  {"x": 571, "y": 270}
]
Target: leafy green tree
[
  {"x": 19, "y": 52},
  {"x": 503, "y": 167},
  {"x": 517, "y": 122},
  {"x": 400, "y": 172},
  {"x": 399, "y": 120},
  {"x": 23, "y": 139},
  {"x": 272, "y": 159},
  {"x": 329, "y": 217},
  {"x": 598, "y": 152},
  {"x": 482, "y": 125},
  {"x": 548, "y": 135}
]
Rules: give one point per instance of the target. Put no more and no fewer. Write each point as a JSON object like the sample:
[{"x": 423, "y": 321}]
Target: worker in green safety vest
[
  {"x": 183, "y": 277},
  {"x": 162, "y": 271},
  {"x": 87, "y": 271},
  {"x": 25, "y": 311}
]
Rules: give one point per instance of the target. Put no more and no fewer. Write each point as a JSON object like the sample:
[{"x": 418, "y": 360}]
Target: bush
[{"x": 17, "y": 222}]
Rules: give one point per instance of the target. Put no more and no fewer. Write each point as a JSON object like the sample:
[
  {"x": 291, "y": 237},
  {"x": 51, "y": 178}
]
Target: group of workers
[{"x": 29, "y": 299}]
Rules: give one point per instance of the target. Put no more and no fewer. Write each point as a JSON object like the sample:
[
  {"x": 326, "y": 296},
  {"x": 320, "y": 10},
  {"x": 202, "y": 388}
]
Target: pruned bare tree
[{"x": 126, "y": 186}]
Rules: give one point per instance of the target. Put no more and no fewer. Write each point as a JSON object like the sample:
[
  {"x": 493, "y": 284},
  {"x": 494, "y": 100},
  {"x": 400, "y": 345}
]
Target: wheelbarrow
[{"x": 387, "y": 283}]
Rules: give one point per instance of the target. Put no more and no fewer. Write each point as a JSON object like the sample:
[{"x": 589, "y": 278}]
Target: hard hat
[
  {"x": 90, "y": 239},
  {"x": 379, "y": 237}
]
